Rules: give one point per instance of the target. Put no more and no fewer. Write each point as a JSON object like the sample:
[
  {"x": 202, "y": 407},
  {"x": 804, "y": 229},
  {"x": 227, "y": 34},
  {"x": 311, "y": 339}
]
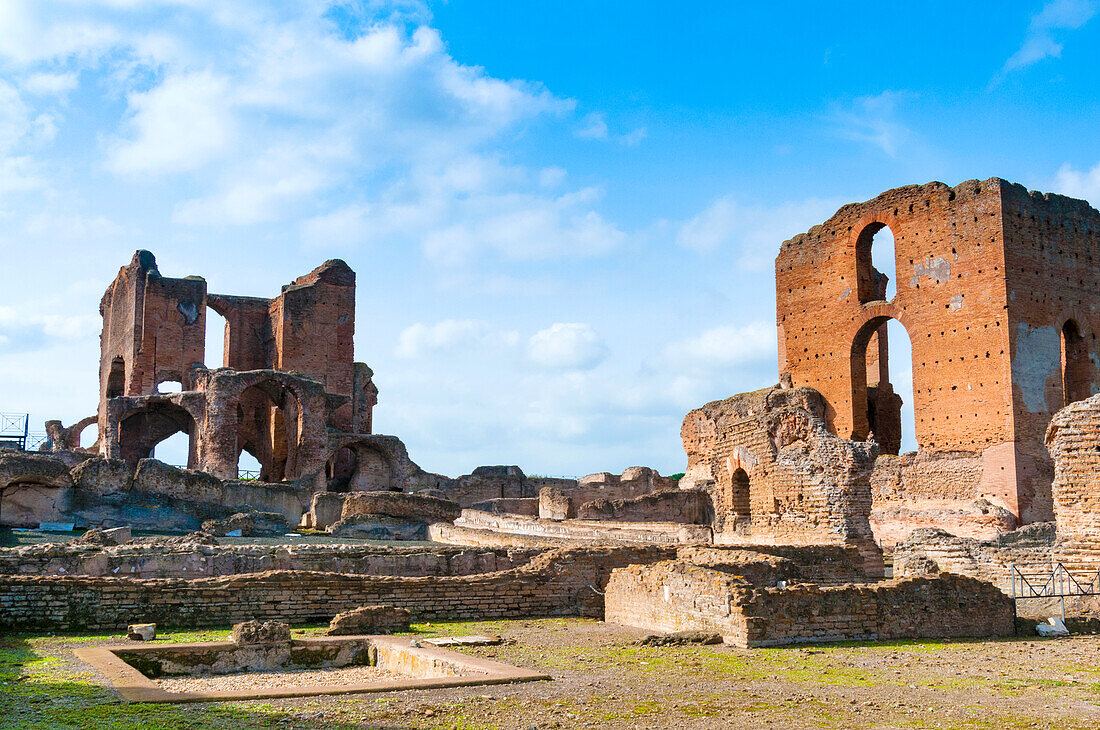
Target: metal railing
[
  {"x": 1058, "y": 583},
  {"x": 13, "y": 430}
]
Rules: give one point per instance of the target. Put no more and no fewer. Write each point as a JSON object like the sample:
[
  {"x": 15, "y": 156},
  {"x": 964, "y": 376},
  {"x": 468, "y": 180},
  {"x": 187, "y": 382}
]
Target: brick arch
[
  {"x": 859, "y": 246},
  {"x": 873, "y": 323}
]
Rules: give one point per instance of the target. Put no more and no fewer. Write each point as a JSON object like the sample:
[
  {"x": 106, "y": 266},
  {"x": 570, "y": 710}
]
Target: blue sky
[{"x": 563, "y": 215}]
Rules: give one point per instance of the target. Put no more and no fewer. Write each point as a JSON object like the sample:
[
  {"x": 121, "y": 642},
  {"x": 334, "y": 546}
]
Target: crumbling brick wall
[
  {"x": 192, "y": 560},
  {"x": 677, "y": 595},
  {"x": 776, "y": 474},
  {"x": 1074, "y": 443},
  {"x": 559, "y": 583}
]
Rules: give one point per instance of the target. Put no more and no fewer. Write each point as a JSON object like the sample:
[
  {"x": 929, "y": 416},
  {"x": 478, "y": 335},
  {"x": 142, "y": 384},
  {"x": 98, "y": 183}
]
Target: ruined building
[
  {"x": 288, "y": 376},
  {"x": 997, "y": 288}
]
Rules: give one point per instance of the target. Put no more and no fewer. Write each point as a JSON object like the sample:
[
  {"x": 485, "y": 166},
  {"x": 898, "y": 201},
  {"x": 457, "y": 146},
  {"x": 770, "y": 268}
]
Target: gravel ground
[
  {"x": 601, "y": 679},
  {"x": 266, "y": 680}
]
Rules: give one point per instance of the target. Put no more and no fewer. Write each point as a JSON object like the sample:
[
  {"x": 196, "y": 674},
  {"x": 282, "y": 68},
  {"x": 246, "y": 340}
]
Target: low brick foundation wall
[
  {"x": 196, "y": 561},
  {"x": 671, "y": 505},
  {"x": 656, "y": 533},
  {"x": 557, "y": 583},
  {"x": 676, "y": 595}
]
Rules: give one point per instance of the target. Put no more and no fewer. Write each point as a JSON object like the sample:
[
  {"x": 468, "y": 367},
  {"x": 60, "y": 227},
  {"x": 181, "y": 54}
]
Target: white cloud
[
  {"x": 1040, "y": 41},
  {"x": 50, "y": 83},
  {"x": 451, "y": 335},
  {"x": 1078, "y": 184},
  {"x": 872, "y": 121},
  {"x": 755, "y": 231},
  {"x": 726, "y": 346},
  {"x": 594, "y": 127},
  {"x": 23, "y": 329},
  {"x": 179, "y": 125},
  {"x": 566, "y": 346}
]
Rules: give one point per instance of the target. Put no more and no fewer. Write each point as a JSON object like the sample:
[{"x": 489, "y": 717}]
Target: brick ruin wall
[
  {"x": 692, "y": 507},
  {"x": 558, "y": 583},
  {"x": 1073, "y": 539},
  {"x": 477, "y": 525},
  {"x": 1074, "y": 441},
  {"x": 191, "y": 560},
  {"x": 776, "y": 475},
  {"x": 677, "y": 595},
  {"x": 987, "y": 275}
]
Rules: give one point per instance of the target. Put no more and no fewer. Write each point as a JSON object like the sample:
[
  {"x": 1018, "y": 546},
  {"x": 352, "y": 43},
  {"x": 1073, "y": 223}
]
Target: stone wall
[
  {"x": 152, "y": 495},
  {"x": 693, "y": 507},
  {"x": 395, "y": 504},
  {"x": 776, "y": 474},
  {"x": 1074, "y": 443},
  {"x": 191, "y": 560},
  {"x": 657, "y": 533},
  {"x": 933, "y": 489},
  {"x": 559, "y": 583},
  {"x": 558, "y": 502},
  {"x": 677, "y": 595}
]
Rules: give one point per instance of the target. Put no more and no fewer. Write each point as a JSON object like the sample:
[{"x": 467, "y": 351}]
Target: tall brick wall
[
  {"x": 558, "y": 583},
  {"x": 987, "y": 275},
  {"x": 154, "y": 330},
  {"x": 1052, "y": 246}
]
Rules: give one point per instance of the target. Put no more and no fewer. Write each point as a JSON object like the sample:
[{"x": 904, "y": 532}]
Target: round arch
[{"x": 875, "y": 406}]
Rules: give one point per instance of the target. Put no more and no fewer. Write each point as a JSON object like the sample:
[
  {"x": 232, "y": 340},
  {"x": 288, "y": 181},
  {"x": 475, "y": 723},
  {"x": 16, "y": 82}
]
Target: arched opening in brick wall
[
  {"x": 1075, "y": 364},
  {"x": 116, "y": 378},
  {"x": 89, "y": 436},
  {"x": 740, "y": 502},
  {"x": 217, "y": 330},
  {"x": 269, "y": 419},
  {"x": 876, "y": 265},
  {"x": 341, "y": 469},
  {"x": 883, "y": 405},
  {"x": 248, "y": 464},
  {"x": 163, "y": 431}
]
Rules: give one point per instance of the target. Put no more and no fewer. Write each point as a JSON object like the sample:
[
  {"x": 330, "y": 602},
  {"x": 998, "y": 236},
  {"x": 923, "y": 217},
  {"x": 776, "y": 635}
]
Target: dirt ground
[{"x": 602, "y": 680}]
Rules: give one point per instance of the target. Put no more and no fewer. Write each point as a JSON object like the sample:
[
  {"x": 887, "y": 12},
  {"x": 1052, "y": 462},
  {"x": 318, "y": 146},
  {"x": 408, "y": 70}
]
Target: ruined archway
[
  {"x": 141, "y": 431},
  {"x": 876, "y": 266},
  {"x": 116, "y": 378},
  {"x": 269, "y": 428},
  {"x": 876, "y": 403},
  {"x": 740, "y": 498},
  {"x": 1076, "y": 378}
]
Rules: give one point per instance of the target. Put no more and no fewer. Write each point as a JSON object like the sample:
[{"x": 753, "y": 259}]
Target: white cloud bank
[{"x": 566, "y": 346}]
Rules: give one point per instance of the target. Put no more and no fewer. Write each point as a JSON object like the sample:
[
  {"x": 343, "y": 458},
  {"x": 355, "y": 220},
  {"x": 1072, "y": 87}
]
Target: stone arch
[
  {"x": 282, "y": 415},
  {"x": 142, "y": 428}
]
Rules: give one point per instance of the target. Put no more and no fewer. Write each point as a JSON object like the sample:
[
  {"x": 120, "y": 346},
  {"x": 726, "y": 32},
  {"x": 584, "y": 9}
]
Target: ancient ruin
[
  {"x": 997, "y": 289},
  {"x": 780, "y": 530}
]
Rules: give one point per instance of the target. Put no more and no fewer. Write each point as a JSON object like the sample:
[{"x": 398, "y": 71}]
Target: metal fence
[
  {"x": 1058, "y": 583},
  {"x": 13, "y": 430}
]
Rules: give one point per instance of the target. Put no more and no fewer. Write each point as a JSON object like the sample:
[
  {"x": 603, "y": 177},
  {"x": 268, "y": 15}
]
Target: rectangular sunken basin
[{"x": 221, "y": 670}]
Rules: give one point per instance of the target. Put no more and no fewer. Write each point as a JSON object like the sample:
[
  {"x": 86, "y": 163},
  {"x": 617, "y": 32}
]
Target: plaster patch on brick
[
  {"x": 846, "y": 293},
  {"x": 1038, "y": 356},
  {"x": 189, "y": 311},
  {"x": 938, "y": 269},
  {"x": 956, "y": 302}
]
